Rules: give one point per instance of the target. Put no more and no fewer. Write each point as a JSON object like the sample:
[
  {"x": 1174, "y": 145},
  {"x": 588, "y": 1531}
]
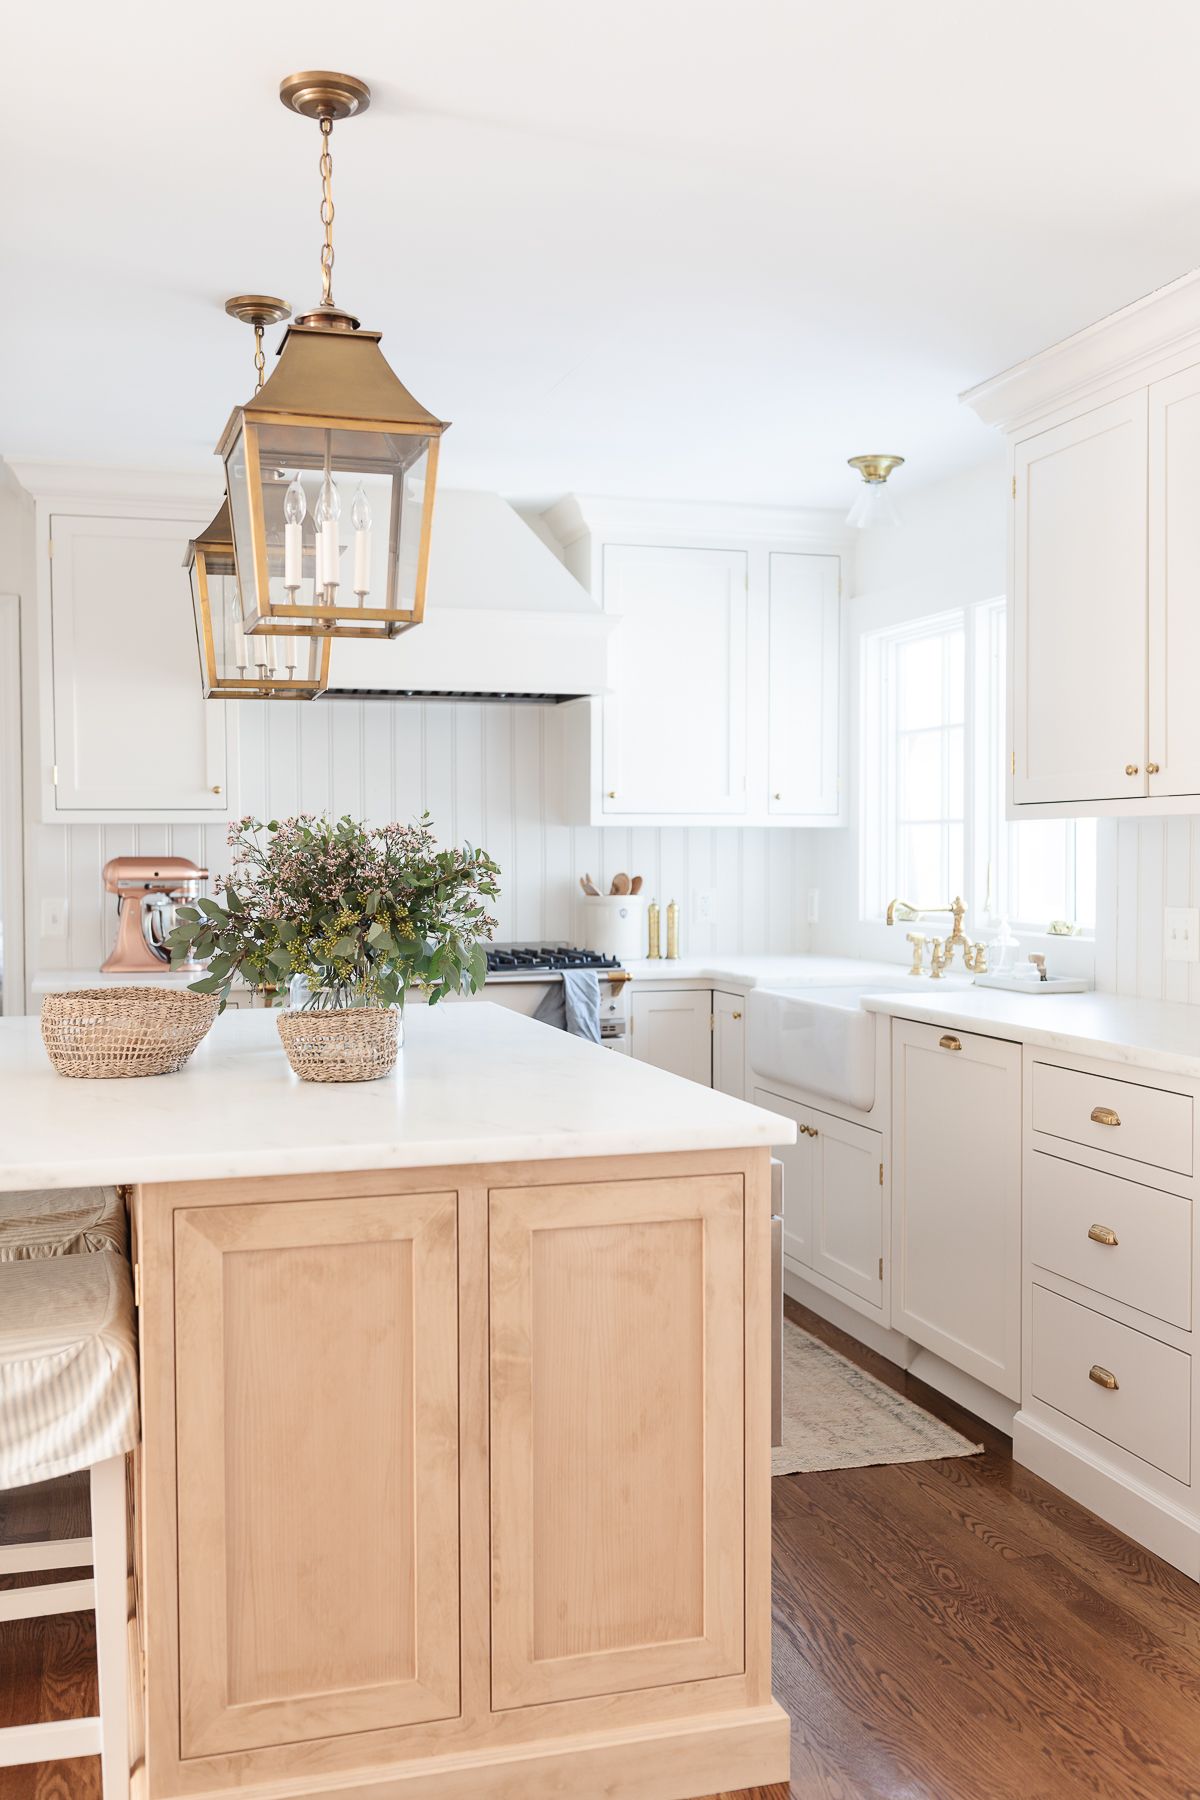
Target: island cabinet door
[
  {"x": 317, "y": 1433},
  {"x": 617, "y": 1368}
]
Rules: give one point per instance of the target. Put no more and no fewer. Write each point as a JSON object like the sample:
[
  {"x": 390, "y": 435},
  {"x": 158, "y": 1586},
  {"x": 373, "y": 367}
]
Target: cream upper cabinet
[
  {"x": 1079, "y": 608},
  {"x": 674, "y": 721},
  {"x": 127, "y": 732},
  {"x": 803, "y": 723},
  {"x": 956, "y": 1199},
  {"x": 1173, "y": 745},
  {"x": 1104, "y": 432}
]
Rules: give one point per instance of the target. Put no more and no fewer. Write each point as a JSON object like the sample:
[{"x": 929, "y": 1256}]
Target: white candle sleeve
[
  {"x": 362, "y": 562},
  {"x": 293, "y": 556},
  {"x": 330, "y": 555}
]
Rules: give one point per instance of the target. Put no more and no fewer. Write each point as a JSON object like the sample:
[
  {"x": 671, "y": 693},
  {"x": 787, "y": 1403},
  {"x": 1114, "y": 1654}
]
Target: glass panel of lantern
[{"x": 232, "y": 665}]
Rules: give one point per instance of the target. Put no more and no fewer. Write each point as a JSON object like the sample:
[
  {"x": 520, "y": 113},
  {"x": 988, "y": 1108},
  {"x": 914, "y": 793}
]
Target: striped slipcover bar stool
[
  {"x": 69, "y": 1401},
  {"x": 60, "y": 1222}
]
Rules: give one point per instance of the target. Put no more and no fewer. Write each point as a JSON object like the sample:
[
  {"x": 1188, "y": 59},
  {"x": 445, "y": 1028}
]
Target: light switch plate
[
  {"x": 54, "y": 918},
  {"x": 813, "y": 912},
  {"x": 1181, "y": 934},
  {"x": 704, "y": 906}
]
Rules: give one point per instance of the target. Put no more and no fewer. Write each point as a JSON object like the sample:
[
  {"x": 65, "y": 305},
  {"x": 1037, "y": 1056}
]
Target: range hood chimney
[{"x": 504, "y": 620}]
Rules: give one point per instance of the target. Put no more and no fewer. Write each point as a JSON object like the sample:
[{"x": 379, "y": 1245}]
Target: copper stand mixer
[{"x": 148, "y": 888}]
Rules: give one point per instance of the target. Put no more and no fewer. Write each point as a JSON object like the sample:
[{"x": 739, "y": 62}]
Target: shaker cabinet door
[
  {"x": 1174, "y": 737},
  {"x": 674, "y": 1031},
  {"x": 1079, "y": 608},
  {"x": 804, "y": 627},
  {"x": 618, "y": 1468},
  {"x": 317, "y": 1443},
  {"x": 133, "y": 733},
  {"x": 674, "y": 720}
]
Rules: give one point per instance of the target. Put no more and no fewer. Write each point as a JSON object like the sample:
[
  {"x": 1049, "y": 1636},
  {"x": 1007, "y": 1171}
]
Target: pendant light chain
[
  {"x": 327, "y": 212},
  {"x": 260, "y": 361}
]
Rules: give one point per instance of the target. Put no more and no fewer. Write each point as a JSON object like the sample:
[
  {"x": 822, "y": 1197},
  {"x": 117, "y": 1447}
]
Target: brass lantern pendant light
[
  {"x": 330, "y": 468},
  {"x": 232, "y": 665}
]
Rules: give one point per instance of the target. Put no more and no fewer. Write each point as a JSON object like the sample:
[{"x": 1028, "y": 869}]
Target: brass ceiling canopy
[
  {"x": 259, "y": 310},
  {"x": 875, "y": 468},
  {"x": 332, "y": 416}
]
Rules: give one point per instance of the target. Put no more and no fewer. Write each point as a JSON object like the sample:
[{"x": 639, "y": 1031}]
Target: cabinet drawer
[
  {"x": 1149, "y": 1266},
  {"x": 1148, "y": 1413},
  {"x": 1147, "y": 1124}
]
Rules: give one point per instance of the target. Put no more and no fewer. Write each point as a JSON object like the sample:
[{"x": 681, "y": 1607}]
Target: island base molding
[
  {"x": 456, "y": 1482},
  {"x": 692, "y": 1759}
]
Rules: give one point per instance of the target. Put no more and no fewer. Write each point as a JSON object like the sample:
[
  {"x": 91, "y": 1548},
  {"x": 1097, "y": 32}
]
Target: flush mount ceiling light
[
  {"x": 233, "y": 666},
  {"x": 874, "y": 504},
  {"x": 330, "y": 468}
]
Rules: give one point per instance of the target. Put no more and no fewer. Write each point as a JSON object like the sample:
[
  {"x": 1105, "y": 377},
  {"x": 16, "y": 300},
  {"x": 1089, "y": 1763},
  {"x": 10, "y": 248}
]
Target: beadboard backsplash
[
  {"x": 1144, "y": 865},
  {"x": 486, "y": 773}
]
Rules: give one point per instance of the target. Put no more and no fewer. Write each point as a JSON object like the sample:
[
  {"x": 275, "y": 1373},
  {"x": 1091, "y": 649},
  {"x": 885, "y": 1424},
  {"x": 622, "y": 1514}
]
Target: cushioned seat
[
  {"x": 60, "y": 1222},
  {"x": 68, "y": 1366}
]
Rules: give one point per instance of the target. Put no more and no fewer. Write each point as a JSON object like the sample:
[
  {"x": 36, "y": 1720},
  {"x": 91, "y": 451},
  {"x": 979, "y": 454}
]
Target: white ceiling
[{"x": 645, "y": 247}]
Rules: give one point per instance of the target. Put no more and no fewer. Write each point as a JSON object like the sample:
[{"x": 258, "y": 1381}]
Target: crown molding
[
  {"x": 1125, "y": 345},
  {"x": 154, "y": 491},
  {"x": 697, "y": 522}
]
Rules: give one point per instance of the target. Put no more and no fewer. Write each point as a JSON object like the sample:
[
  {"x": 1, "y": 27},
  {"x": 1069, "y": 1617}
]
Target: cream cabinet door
[
  {"x": 799, "y": 1173},
  {"x": 317, "y": 1446},
  {"x": 848, "y": 1206},
  {"x": 674, "y": 1031},
  {"x": 1174, "y": 566},
  {"x": 674, "y": 720},
  {"x": 956, "y": 1199},
  {"x": 133, "y": 734},
  {"x": 617, "y": 1433},
  {"x": 804, "y": 629},
  {"x": 729, "y": 1044},
  {"x": 1079, "y": 608}
]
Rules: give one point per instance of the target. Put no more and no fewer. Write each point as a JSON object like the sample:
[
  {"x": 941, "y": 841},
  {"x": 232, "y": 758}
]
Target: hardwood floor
[{"x": 943, "y": 1631}]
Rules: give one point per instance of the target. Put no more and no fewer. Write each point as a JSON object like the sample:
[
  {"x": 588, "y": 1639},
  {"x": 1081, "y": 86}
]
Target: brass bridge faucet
[{"x": 974, "y": 956}]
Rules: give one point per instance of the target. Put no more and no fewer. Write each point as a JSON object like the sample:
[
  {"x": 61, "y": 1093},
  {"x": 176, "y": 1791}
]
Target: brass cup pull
[
  {"x": 1103, "y": 1378},
  {"x": 1102, "y": 1234},
  {"x": 1131, "y": 768},
  {"x": 949, "y": 1042},
  {"x": 1104, "y": 1115}
]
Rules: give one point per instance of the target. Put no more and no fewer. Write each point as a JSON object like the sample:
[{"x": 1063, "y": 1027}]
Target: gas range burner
[{"x": 514, "y": 959}]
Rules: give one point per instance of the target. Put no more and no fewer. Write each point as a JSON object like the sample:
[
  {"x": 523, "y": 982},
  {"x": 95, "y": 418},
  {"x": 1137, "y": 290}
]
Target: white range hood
[{"x": 504, "y": 620}]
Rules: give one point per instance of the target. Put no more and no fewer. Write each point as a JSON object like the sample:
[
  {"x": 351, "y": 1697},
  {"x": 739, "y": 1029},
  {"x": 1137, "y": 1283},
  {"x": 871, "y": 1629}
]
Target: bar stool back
[{"x": 69, "y": 1401}]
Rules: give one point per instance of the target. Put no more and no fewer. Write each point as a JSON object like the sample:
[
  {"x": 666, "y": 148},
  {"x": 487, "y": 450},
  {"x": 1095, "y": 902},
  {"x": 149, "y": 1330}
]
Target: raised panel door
[
  {"x": 674, "y": 720},
  {"x": 729, "y": 1044},
  {"x": 317, "y": 1442},
  {"x": 1079, "y": 608},
  {"x": 847, "y": 1207},
  {"x": 799, "y": 1175},
  {"x": 956, "y": 1199},
  {"x": 673, "y": 1030},
  {"x": 133, "y": 732},
  {"x": 617, "y": 1431},
  {"x": 804, "y": 614},
  {"x": 1173, "y": 744}
]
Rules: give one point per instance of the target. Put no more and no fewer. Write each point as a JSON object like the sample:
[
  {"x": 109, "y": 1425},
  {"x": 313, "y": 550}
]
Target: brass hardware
[
  {"x": 1103, "y": 1378},
  {"x": 736, "y": 1015},
  {"x": 1102, "y": 1234},
  {"x": 980, "y": 964},
  {"x": 1014, "y": 479},
  {"x": 259, "y": 310},
  {"x": 1152, "y": 768},
  {"x": 137, "y": 1284},
  {"x": 875, "y": 469},
  {"x": 217, "y": 788},
  {"x": 612, "y": 793},
  {"x": 1014, "y": 762},
  {"x": 881, "y": 1174},
  {"x": 712, "y": 1021},
  {"x": 1131, "y": 768},
  {"x": 1104, "y": 1115},
  {"x": 809, "y": 1130},
  {"x": 917, "y": 940},
  {"x": 937, "y": 960},
  {"x": 949, "y": 1042},
  {"x": 320, "y": 94},
  {"x": 654, "y": 932},
  {"x": 672, "y": 932},
  {"x": 778, "y": 796},
  {"x": 881, "y": 1268},
  {"x": 54, "y": 775},
  {"x": 905, "y": 911}
]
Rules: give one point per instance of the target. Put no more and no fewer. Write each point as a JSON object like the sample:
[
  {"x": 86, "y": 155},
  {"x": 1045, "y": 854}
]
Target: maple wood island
[{"x": 456, "y": 1414}]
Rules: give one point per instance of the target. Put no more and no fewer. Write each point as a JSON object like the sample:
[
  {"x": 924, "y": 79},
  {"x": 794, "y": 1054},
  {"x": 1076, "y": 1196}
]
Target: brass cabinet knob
[
  {"x": 217, "y": 789},
  {"x": 612, "y": 793},
  {"x": 1152, "y": 768},
  {"x": 1103, "y": 1378},
  {"x": 1102, "y": 1234},
  {"x": 778, "y": 796},
  {"x": 1131, "y": 768},
  {"x": 949, "y": 1042},
  {"x": 736, "y": 1015},
  {"x": 809, "y": 1130},
  {"x": 1104, "y": 1115}
]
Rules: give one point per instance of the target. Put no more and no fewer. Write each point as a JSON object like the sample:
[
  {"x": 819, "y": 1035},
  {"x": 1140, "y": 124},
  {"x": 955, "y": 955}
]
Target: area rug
[{"x": 838, "y": 1417}]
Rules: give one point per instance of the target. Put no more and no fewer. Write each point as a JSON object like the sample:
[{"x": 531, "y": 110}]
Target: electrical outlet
[
  {"x": 54, "y": 918},
  {"x": 704, "y": 906},
  {"x": 813, "y": 914},
  {"x": 1181, "y": 934}
]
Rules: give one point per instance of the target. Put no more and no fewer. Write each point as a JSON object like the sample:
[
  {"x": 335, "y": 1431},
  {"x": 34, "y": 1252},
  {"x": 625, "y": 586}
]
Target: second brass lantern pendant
[{"x": 331, "y": 467}]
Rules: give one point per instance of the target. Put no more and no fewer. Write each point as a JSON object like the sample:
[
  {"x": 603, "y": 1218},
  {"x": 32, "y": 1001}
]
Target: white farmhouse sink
[{"x": 819, "y": 1038}]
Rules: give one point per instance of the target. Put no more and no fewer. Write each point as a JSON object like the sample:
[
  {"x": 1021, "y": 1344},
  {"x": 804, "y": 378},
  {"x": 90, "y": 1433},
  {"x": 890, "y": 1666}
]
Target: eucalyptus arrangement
[{"x": 363, "y": 913}]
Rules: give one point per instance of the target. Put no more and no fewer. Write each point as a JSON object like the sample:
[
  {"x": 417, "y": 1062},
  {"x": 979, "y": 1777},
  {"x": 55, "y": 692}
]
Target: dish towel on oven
[{"x": 573, "y": 1004}]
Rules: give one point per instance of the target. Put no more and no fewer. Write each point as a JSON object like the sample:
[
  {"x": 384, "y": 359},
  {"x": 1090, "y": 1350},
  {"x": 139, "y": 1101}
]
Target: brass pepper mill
[
  {"x": 672, "y": 932},
  {"x": 654, "y": 950}
]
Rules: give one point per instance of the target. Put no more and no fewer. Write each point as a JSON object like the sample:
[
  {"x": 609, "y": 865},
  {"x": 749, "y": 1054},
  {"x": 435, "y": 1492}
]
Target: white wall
[{"x": 486, "y": 773}]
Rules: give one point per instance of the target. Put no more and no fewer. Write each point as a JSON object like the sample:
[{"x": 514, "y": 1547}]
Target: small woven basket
[
  {"x": 105, "y": 1033},
  {"x": 354, "y": 1043}
]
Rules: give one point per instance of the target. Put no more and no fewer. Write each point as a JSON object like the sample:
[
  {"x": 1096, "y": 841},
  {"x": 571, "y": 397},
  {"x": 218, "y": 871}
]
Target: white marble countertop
[
  {"x": 474, "y": 1084},
  {"x": 1145, "y": 1034},
  {"x": 761, "y": 969}
]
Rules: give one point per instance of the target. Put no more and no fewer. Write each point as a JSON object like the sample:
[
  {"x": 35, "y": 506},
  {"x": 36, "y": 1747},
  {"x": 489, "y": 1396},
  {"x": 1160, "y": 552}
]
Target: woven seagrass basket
[
  {"x": 104, "y": 1033},
  {"x": 354, "y": 1043}
]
